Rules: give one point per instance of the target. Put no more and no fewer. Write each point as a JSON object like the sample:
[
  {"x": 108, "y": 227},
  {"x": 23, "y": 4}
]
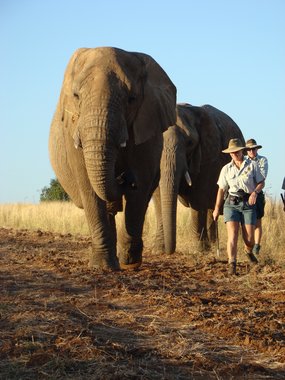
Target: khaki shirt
[
  {"x": 246, "y": 178},
  {"x": 262, "y": 163}
]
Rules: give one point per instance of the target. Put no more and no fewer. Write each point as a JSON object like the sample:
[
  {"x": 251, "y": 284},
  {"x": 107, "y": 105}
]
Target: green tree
[{"x": 54, "y": 192}]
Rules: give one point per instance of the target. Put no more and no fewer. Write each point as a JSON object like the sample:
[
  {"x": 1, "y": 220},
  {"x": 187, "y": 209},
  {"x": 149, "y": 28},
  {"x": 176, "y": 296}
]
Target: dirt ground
[{"x": 177, "y": 317}]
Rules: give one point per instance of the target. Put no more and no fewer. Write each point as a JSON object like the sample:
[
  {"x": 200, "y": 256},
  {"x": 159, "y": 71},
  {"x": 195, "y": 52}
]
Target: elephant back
[{"x": 228, "y": 129}]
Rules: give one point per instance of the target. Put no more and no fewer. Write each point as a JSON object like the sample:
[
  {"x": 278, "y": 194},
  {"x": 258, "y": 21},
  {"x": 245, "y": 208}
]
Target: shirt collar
[
  {"x": 242, "y": 165},
  {"x": 255, "y": 158}
]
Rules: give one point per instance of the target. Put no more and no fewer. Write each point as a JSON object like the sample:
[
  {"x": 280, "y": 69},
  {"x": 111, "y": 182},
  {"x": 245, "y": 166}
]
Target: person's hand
[
  {"x": 216, "y": 214},
  {"x": 252, "y": 198}
]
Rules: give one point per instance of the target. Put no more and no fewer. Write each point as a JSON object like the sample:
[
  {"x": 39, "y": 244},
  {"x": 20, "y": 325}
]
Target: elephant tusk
[
  {"x": 77, "y": 141},
  {"x": 188, "y": 178},
  {"x": 123, "y": 145}
]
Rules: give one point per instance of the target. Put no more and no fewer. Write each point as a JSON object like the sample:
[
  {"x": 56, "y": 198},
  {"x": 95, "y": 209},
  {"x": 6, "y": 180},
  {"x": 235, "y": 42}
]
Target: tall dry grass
[{"x": 64, "y": 217}]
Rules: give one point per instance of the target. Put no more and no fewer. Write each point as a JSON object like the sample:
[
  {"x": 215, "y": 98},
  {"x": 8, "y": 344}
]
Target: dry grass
[{"x": 64, "y": 217}]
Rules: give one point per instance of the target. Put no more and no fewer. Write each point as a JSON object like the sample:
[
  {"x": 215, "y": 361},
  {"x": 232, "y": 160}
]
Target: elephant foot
[
  {"x": 133, "y": 266},
  {"x": 129, "y": 252},
  {"x": 130, "y": 260},
  {"x": 97, "y": 262}
]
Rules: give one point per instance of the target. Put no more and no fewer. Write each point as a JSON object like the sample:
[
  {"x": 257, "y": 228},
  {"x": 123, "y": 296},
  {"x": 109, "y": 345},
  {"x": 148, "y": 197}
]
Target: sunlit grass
[{"x": 64, "y": 217}]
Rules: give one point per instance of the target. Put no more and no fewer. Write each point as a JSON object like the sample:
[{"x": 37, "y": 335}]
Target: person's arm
[
  {"x": 263, "y": 166},
  {"x": 218, "y": 205},
  {"x": 256, "y": 191},
  {"x": 260, "y": 183}
]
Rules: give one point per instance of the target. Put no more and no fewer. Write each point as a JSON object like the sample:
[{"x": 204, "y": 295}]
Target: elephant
[
  {"x": 105, "y": 145},
  {"x": 190, "y": 165}
]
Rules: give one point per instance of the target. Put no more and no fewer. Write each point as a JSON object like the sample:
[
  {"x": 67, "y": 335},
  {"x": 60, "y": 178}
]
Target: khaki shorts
[{"x": 240, "y": 212}]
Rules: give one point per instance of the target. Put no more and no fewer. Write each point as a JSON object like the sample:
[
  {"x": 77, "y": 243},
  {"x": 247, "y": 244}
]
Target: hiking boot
[
  {"x": 232, "y": 271},
  {"x": 251, "y": 257},
  {"x": 256, "y": 249}
]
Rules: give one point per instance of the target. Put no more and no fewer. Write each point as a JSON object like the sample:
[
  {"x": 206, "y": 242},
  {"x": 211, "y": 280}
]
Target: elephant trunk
[
  {"x": 169, "y": 210},
  {"x": 169, "y": 183},
  {"x": 101, "y": 172},
  {"x": 100, "y": 158}
]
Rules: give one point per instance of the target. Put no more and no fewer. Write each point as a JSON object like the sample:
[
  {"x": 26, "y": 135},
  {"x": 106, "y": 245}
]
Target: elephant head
[{"x": 111, "y": 98}]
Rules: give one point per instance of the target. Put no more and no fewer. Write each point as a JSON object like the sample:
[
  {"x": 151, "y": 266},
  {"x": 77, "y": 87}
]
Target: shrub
[{"x": 54, "y": 192}]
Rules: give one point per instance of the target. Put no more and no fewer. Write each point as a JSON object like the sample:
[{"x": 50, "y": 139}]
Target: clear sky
[{"x": 227, "y": 53}]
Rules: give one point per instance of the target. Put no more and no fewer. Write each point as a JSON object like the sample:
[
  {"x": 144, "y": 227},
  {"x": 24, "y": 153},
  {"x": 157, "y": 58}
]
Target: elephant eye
[
  {"x": 76, "y": 96},
  {"x": 131, "y": 99}
]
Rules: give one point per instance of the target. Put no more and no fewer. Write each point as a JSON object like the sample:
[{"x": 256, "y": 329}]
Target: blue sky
[{"x": 227, "y": 53}]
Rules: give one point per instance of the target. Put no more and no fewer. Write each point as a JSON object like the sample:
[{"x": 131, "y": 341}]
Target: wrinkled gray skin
[
  {"x": 192, "y": 149},
  {"x": 113, "y": 108}
]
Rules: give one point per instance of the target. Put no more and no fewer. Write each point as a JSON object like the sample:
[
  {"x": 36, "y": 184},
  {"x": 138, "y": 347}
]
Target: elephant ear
[
  {"x": 157, "y": 111},
  {"x": 194, "y": 160},
  {"x": 188, "y": 117},
  {"x": 68, "y": 107}
]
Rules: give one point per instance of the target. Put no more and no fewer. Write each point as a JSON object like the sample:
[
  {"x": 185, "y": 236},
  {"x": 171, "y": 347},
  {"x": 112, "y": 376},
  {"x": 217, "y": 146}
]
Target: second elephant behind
[{"x": 191, "y": 161}]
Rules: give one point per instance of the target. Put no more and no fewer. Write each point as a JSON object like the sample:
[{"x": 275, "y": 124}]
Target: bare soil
[{"x": 177, "y": 317}]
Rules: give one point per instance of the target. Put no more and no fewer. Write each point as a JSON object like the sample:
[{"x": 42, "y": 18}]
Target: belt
[{"x": 235, "y": 199}]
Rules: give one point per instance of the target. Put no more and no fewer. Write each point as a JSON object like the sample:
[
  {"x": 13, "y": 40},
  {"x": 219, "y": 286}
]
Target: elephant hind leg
[
  {"x": 212, "y": 228},
  {"x": 198, "y": 228}
]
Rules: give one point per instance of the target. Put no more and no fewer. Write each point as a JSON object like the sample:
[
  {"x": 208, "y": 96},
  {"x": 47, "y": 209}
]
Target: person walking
[
  {"x": 240, "y": 181},
  {"x": 251, "y": 148}
]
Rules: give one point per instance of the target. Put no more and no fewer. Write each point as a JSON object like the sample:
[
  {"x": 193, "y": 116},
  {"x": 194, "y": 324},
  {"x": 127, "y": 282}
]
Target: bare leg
[
  {"x": 248, "y": 238},
  {"x": 258, "y": 232},
  {"x": 257, "y": 236},
  {"x": 232, "y": 230}
]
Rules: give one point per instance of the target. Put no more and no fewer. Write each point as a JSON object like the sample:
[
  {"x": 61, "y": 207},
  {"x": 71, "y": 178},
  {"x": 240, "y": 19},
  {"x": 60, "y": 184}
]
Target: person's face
[
  {"x": 252, "y": 152},
  {"x": 237, "y": 156}
]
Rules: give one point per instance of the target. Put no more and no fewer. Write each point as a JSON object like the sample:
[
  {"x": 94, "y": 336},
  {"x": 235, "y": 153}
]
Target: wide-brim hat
[
  {"x": 234, "y": 146},
  {"x": 252, "y": 144}
]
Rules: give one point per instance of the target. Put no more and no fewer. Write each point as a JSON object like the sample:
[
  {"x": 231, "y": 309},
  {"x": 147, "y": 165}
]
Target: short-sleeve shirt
[
  {"x": 246, "y": 178},
  {"x": 262, "y": 163}
]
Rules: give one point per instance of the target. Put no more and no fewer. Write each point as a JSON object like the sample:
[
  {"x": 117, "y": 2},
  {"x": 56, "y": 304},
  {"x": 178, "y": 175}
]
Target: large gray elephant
[
  {"x": 190, "y": 165},
  {"x": 105, "y": 145}
]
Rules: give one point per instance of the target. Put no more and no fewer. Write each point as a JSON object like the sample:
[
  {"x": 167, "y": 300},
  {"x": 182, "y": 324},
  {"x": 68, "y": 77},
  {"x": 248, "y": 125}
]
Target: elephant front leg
[
  {"x": 130, "y": 243},
  {"x": 103, "y": 233}
]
